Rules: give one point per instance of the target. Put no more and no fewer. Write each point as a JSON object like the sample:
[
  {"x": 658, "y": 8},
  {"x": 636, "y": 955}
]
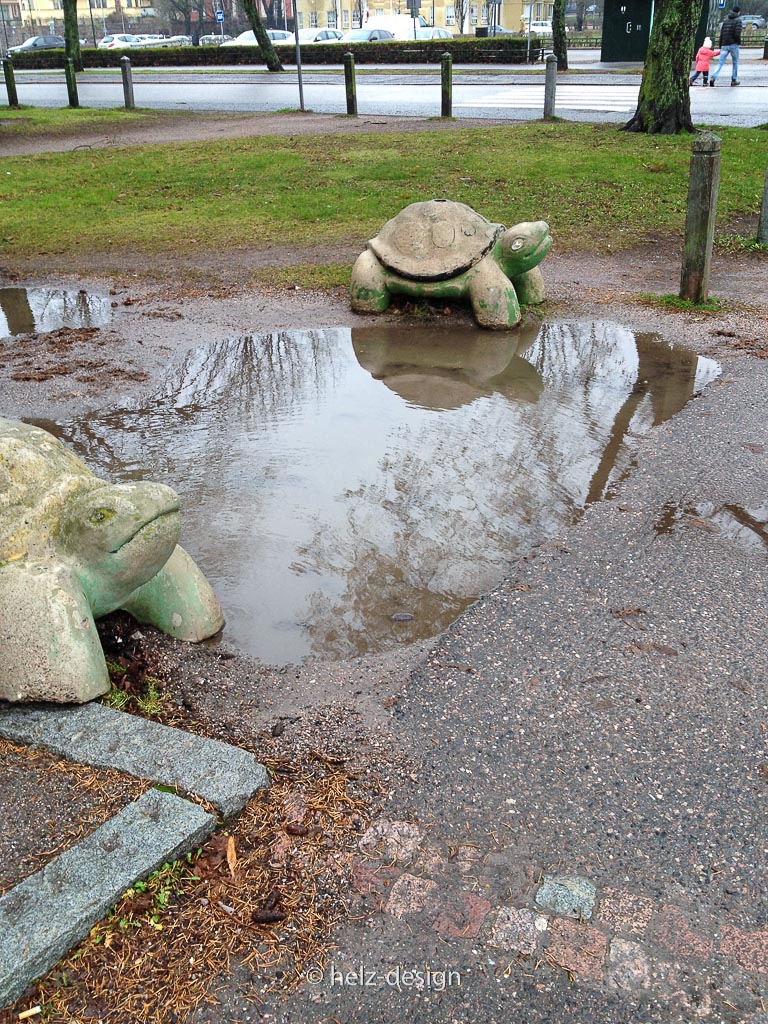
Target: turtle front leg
[
  {"x": 49, "y": 647},
  {"x": 368, "y": 286},
  {"x": 530, "y": 287},
  {"x": 179, "y": 600},
  {"x": 493, "y": 298}
]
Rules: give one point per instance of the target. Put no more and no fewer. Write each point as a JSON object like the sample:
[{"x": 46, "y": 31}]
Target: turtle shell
[{"x": 435, "y": 240}]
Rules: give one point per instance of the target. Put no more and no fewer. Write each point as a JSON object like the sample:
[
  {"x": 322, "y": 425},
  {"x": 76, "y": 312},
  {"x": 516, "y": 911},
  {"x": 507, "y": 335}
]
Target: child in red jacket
[{"x": 703, "y": 57}]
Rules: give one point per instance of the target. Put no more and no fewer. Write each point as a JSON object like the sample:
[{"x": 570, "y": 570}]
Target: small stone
[
  {"x": 464, "y": 920},
  {"x": 409, "y": 895},
  {"x": 624, "y": 912},
  {"x": 517, "y": 930},
  {"x": 568, "y": 896},
  {"x": 392, "y": 841},
  {"x": 401, "y": 617},
  {"x": 579, "y": 948},
  {"x": 628, "y": 967}
]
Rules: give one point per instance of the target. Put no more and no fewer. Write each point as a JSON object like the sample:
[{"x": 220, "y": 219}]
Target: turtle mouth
[{"x": 144, "y": 529}]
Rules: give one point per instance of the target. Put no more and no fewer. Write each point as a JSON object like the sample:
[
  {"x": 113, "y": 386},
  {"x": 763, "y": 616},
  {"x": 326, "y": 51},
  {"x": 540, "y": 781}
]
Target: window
[
  {"x": 345, "y": 20},
  {"x": 313, "y": 19},
  {"x": 450, "y": 16},
  {"x": 473, "y": 15},
  {"x": 484, "y": 14},
  {"x": 331, "y": 19}
]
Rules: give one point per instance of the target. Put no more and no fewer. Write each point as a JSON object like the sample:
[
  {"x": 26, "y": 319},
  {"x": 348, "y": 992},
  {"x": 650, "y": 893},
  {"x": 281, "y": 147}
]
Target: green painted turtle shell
[{"x": 435, "y": 240}]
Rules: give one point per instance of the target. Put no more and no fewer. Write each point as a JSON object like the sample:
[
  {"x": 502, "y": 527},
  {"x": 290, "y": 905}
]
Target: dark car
[{"x": 38, "y": 43}]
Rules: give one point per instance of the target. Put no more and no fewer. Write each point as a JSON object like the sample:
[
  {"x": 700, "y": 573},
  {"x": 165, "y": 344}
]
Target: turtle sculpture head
[
  {"x": 445, "y": 250},
  {"x": 74, "y": 548}
]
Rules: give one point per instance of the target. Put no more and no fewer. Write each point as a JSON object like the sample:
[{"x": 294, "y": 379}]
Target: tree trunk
[
  {"x": 266, "y": 49},
  {"x": 581, "y": 6},
  {"x": 72, "y": 34},
  {"x": 559, "y": 38},
  {"x": 664, "y": 103}
]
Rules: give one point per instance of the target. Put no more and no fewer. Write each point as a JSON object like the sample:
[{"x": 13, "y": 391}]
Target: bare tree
[
  {"x": 559, "y": 38},
  {"x": 266, "y": 49},
  {"x": 72, "y": 34},
  {"x": 664, "y": 103}
]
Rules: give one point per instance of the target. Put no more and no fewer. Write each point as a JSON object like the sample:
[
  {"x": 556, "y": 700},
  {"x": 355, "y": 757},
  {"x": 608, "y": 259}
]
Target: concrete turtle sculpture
[
  {"x": 74, "y": 548},
  {"x": 441, "y": 249}
]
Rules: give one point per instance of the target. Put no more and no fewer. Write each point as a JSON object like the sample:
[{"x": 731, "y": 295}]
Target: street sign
[{"x": 219, "y": 15}]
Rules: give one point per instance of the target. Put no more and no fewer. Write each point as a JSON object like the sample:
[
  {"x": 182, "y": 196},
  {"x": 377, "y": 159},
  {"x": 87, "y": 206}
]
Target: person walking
[
  {"x": 729, "y": 42},
  {"x": 703, "y": 57}
]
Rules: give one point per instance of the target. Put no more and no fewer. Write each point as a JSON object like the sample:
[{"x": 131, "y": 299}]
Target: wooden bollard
[
  {"x": 550, "y": 85},
  {"x": 446, "y": 85},
  {"x": 762, "y": 224},
  {"x": 349, "y": 83},
  {"x": 127, "y": 73},
  {"x": 10, "y": 82},
  {"x": 69, "y": 74},
  {"x": 703, "y": 183}
]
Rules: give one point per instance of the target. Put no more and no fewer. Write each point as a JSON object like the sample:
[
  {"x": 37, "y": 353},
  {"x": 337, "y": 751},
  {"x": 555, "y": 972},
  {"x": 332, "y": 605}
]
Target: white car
[
  {"x": 277, "y": 35},
  {"x": 319, "y": 35},
  {"x": 541, "y": 28},
  {"x": 119, "y": 42},
  {"x": 433, "y": 33}
]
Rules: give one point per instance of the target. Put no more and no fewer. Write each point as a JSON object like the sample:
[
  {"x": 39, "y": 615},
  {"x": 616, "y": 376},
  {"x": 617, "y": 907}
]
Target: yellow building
[
  {"x": 345, "y": 14},
  {"x": 40, "y": 17}
]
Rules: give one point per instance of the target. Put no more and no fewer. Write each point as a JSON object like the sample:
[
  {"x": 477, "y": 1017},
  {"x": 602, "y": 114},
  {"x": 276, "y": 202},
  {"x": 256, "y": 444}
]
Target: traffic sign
[{"x": 219, "y": 15}]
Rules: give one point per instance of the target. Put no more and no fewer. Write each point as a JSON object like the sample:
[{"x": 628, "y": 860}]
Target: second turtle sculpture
[
  {"x": 441, "y": 249},
  {"x": 74, "y": 548}
]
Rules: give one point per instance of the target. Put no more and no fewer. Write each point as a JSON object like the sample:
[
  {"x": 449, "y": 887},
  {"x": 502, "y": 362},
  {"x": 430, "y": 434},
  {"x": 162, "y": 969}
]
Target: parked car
[
  {"x": 214, "y": 39},
  {"x": 752, "y": 21},
  {"x": 433, "y": 33},
  {"x": 366, "y": 35},
  {"x": 400, "y": 25},
  {"x": 277, "y": 35},
  {"x": 38, "y": 43},
  {"x": 499, "y": 30},
  {"x": 319, "y": 35},
  {"x": 119, "y": 42},
  {"x": 541, "y": 28}
]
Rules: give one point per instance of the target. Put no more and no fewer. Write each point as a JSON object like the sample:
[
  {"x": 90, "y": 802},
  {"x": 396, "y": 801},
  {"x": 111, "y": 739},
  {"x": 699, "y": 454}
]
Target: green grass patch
[
  {"x": 678, "y": 305},
  {"x": 42, "y": 121},
  {"x": 599, "y": 189},
  {"x": 305, "y": 275}
]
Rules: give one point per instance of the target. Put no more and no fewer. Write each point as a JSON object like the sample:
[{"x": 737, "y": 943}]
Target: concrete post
[
  {"x": 446, "y": 85},
  {"x": 69, "y": 74},
  {"x": 349, "y": 83},
  {"x": 703, "y": 183},
  {"x": 550, "y": 85},
  {"x": 10, "y": 82},
  {"x": 762, "y": 224},
  {"x": 125, "y": 71}
]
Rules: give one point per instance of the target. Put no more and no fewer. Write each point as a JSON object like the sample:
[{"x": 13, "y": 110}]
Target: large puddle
[
  {"x": 345, "y": 491},
  {"x": 24, "y": 310}
]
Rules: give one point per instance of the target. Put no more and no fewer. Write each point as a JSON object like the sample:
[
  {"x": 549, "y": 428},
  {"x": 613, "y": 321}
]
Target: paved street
[{"x": 594, "y": 92}]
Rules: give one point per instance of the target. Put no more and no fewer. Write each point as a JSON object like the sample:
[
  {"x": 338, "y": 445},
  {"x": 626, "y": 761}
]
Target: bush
[{"x": 464, "y": 50}]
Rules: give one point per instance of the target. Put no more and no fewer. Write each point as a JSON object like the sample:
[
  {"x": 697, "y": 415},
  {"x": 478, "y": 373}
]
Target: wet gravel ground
[{"x": 602, "y": 713}]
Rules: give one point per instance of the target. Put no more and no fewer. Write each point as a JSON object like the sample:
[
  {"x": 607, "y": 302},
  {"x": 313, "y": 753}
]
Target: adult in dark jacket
[{"x": 730, "y": 40}]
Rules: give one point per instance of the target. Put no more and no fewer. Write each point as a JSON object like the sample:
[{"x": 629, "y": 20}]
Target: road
[{"x": 594, "y": 92}]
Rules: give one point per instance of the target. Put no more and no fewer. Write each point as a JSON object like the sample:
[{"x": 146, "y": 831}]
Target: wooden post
[
  {"x": 10, "y": 82},
  {"x": 703, "y": 183},
  {"x": 69, "y": 74},
  {"x": 550, "y": 84},
  {"x": 446, "y": 85},
  {"x": 349, "y": 84},
  {"x": 125, "y": 71},
  {"x": 762, "y": 224}
]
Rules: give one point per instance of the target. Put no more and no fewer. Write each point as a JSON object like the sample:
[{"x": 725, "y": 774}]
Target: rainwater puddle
[
  {"x": 24, "y": 310},
  {"x": 747, "y": 527},
  {"x": 346, "y": 491}
]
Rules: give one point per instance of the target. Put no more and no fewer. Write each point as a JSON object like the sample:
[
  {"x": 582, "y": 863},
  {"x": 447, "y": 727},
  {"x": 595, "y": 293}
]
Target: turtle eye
[
  {"x": 517, "y": 244},
  {"x": 100, "y": 515}
]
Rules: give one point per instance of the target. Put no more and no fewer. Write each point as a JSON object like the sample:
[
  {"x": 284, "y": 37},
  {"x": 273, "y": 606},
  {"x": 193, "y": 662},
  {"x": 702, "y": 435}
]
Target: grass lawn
[{"x": 600, "y": 189}]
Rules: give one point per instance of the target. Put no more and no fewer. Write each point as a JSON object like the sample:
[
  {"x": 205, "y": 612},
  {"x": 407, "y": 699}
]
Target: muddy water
[
  {"x": 24, "y": 310},
  {"x": 349, "y": 490}
]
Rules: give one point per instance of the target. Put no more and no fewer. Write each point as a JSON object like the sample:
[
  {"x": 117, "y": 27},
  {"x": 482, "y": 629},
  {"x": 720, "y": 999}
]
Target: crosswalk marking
[{"x": 568, "y": 97}]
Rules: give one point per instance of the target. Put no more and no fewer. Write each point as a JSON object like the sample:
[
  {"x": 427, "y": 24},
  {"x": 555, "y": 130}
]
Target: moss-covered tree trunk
[
  {"x": 559, "y": 39},
  {"x": 664, "y": 103},
  {"x": 72, "y": 34},
  {"x": 266, "y": 49}
]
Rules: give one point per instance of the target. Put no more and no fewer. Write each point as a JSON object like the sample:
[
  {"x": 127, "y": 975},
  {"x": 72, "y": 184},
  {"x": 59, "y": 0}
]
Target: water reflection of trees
[
  {"x": 46, "y": 309},
  {"x": 458, "y": 488}
]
